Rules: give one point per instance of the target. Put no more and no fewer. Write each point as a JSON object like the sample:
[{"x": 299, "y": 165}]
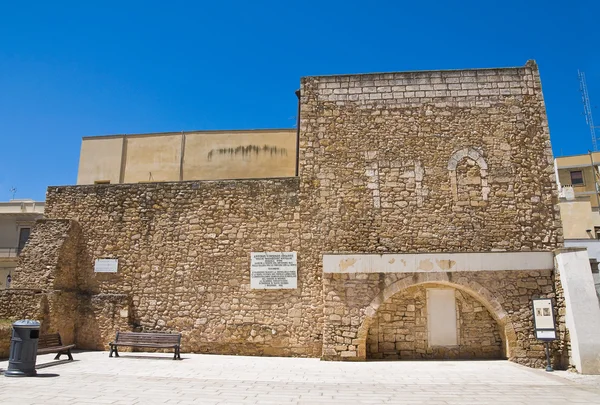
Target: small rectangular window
[
  {"x": 102, "y": 182},
  {"x": 577, "y": 178}
]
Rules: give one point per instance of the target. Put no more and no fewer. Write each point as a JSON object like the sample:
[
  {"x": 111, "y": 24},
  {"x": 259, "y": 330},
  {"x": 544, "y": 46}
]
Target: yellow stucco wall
[
  {"x": 577, "y": 217},
  {"x": 207, "y": 155},
  {"x": 583, "y": 163},
  {"x": 252, "y": 154},
  {"x": 152, "y": 158},
  {"x": 100, "y": 160}
]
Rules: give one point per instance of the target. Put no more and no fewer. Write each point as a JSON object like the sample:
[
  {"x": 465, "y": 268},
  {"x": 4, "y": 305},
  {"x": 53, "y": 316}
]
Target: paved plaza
[{"x": 141, "y": 378}]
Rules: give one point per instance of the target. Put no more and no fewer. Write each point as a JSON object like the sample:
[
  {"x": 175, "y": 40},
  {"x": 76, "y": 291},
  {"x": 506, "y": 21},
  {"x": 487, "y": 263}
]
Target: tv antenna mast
[
  {"x": 13, "y": 191},
  {"x": 587, "y": 110}
]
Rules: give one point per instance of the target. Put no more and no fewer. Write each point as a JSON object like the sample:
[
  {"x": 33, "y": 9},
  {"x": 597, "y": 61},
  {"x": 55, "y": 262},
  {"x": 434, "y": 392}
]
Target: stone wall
[
  {"x": 15, "y": 305},
  {"x": 442, "y": 161},
  {"x": 427, "y": 162},
  {"x": 353, "y": 301},
  {"x": 400, "y": 329},
  {"x": 184, "y": 262}
]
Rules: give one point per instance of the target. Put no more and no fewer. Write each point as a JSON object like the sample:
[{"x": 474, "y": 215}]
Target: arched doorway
[
  {"x": 397, "y": 323},
  {"x": 403, "y": 327}
]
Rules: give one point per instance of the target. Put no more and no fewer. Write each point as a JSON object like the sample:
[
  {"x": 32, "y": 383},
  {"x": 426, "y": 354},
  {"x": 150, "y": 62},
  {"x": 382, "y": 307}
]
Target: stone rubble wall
[
  {"x": 400, "y": 330},
  {"x": 184, "y": 263},
  {"x": 49, "y": 260},
  {"x": 15, "y": 305},
  {"x": 561, "y": 346},
  {"x": 351, "y": 297},
  {"x": 100, "y": 317},
  {"x": 441, "y": 161}
]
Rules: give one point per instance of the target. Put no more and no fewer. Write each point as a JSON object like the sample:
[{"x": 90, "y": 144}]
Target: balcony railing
[{"x": 10, "y": 251}]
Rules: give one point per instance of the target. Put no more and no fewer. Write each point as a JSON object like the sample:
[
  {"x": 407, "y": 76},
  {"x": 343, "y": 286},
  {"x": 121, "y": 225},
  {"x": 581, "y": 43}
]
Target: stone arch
[
  {"x": 474, "y": 289},
  {"x": 476, "y": 155}
]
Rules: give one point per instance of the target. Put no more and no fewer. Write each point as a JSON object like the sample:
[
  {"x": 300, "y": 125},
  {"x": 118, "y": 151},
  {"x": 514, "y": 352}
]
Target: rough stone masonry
[{"x": 391, "y": 163}]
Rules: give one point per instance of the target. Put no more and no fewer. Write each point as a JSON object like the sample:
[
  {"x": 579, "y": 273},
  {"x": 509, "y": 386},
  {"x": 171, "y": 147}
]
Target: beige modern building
[
  {"x": 582, "y": 173},
  {"x": 577, "y": 182},
  {"x": 17, "y": 218},
  {"x": 196, "y": 155}
]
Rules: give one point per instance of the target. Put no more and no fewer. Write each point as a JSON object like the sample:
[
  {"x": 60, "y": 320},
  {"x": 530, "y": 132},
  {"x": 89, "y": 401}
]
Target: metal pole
[
  {"x": 595, "y": 180},
  {"x": 548, "y": 367}
]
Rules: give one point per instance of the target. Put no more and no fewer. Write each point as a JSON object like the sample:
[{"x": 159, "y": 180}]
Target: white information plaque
[
  {"x": 273, "y": 270},
  {"x": 543, "y": 319},
  {"x": 106, "y": 265},
  {"x": 545, "y": 334}
]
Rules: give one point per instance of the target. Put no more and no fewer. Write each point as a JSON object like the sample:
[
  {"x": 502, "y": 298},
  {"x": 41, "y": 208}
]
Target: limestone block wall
[
  {"x": 353, "y": 301},
  {"x": 100, "y": 317},
  {"x": 400, "y": 329},
  {"x": 15, "y": 305},
  {"x": 184, "y": 262},
  {"x": 436, "y": 161},
  {"x": 52, "y": 259}
]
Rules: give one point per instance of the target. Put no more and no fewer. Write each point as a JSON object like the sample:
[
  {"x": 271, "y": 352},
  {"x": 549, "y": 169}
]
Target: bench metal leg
[
  {"x": 67, "y": 352},
  {"x": 113, "y": 349}
]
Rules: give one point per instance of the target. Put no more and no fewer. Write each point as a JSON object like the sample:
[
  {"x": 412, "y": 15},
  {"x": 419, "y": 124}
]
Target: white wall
[
  {"x": 582, "y": 308},
  {"x": 593, "y": 249},
  {"x": 9, "y": 236}
]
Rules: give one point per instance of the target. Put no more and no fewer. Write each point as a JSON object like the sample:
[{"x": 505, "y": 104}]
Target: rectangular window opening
[{"x": 577, "y": 178}]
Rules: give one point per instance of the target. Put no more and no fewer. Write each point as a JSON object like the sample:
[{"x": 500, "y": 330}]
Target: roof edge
[
  {"x": 530, "y": 64},
  {"x": 208, "y": 132}
]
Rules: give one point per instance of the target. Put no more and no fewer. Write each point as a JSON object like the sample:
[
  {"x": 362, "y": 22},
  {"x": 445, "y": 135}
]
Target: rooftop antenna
[
  {"x": 13, "y": 190},
  {"x": 587, "y": 110}
]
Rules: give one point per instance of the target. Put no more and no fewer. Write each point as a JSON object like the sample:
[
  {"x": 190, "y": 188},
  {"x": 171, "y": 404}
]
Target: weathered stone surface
[
  {"x": 445, "y": 161},
  {"x": 505, "y": 295},
  {"x": 184, "y": 263},
  {"x": 400, "y": 329}
]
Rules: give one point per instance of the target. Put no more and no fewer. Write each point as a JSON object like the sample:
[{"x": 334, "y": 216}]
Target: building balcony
[{"x": 9, "y": 252}]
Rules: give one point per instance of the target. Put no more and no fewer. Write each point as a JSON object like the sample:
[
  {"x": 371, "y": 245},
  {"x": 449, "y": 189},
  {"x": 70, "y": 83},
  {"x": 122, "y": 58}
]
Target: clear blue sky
[{"x": 79, "y": 68}]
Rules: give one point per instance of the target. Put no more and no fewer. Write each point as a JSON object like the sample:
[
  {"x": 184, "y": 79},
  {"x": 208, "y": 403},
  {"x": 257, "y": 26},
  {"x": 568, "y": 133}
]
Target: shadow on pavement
[
  {"x": 141, "y": 357},
  {"x": 54, "y": 363}
]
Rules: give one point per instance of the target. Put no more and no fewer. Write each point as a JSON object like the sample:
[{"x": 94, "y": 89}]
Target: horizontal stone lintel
[{"x": 437, "y": 262}]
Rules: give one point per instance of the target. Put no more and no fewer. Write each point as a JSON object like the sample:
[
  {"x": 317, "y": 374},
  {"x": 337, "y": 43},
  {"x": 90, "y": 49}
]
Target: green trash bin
[{"x": 23, "y": 349}]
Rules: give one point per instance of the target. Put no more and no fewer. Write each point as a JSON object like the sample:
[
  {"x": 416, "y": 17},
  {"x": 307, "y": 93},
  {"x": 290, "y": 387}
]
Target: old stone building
[{"x": 423, "y": 218}]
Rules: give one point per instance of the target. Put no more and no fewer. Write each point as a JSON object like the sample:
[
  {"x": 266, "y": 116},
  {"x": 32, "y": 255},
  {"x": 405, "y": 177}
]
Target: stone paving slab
[{"x": 154, "y": 378}]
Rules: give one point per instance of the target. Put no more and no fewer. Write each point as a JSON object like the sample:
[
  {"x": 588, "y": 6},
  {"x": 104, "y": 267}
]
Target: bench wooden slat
[
  {"x": 55, "y": 349},
  {"x": 135, "y": 344},
  {"x": 52, "y": 343},
  {"x": 146, "y": 339}
]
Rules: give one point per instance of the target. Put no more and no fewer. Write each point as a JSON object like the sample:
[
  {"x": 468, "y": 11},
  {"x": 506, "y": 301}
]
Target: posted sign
[
  {"x": 543, "y": 318},
  {"x": 106, "y": 265},
  {"x": 273, "y": 270}
]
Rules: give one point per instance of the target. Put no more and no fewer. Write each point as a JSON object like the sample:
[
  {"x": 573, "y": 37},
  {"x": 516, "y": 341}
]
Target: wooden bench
[
  {"x": 145, "y": 339},
  {"x": 52, "y": 343}
]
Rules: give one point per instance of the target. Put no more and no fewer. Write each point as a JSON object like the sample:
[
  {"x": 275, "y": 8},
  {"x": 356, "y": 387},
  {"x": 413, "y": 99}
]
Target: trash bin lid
[{"x": 27, "y": 323}]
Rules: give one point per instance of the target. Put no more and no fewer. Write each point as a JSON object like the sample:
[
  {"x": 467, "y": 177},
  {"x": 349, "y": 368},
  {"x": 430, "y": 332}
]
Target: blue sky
[{"x": 73, "y": 69}]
